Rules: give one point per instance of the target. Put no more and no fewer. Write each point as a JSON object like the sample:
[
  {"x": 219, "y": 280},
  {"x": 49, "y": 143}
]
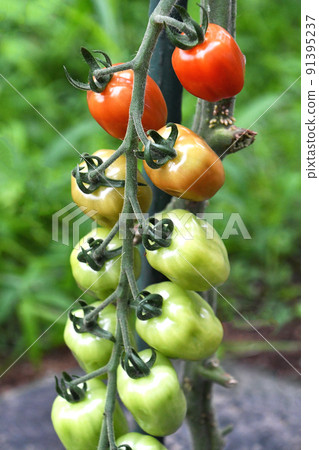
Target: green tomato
[
  {"x": 91, "y": 352},
  {"x": 78, "y": 425},
  {"x": 156, "y": 401},
  {"x": 103, "y": 282},
  {"x": 196, "y": 258},
  {"x": 187, "y": 327},
  {"x": 138, "y": 441}
]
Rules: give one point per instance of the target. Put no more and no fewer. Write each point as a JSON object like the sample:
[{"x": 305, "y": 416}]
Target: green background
[{"x": 38, "y": 107}]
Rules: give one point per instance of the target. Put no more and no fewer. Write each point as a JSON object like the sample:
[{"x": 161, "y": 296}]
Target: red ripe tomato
[
  {"x": 212, "y": 70},
  {"x": 110, "y": 108}
]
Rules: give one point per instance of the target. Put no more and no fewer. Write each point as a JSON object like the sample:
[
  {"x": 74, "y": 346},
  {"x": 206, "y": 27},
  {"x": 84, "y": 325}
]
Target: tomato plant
[
  {"x": 212, "y": 70},
  {"x": 196, "y": 258},
  {"x": 196, "y": 173},
  {"x": 138, "y": 441},
  {"x": 78, "y": 424},
  {"x": 187, "y": 327},
  {"x": 110, "y": 108},
  {"x": 158, "y": 410},
  {"x": 106, "y": 202},
  {"x": 100, "y": 283},
  {"x": 171, "y": 317}
]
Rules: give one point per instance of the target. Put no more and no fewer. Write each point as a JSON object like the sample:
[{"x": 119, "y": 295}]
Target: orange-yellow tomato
[
  {"x": 196, "y": 173},
  {"x": 105, "y": 204}
]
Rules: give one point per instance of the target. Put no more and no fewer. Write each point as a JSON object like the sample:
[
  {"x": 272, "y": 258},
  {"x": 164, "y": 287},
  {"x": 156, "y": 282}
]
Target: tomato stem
[
  {"x": 107, "y": 438},
  {"x": 132, "y": 281},
  {"x": 101, "y": 248},
  {"x": 93, "y": 314},
  {"x": 109, "y": 161},
  {"x": 217, "y": 375}
]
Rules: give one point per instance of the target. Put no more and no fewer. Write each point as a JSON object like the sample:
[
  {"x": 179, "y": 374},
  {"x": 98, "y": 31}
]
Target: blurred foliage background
[{"x": 45, "y": 122}]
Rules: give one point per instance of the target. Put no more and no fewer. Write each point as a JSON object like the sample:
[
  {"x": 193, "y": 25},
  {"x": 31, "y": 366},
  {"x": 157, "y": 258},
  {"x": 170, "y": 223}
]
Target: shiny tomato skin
[
  {"x": 138, "y": 441},
  {"x": 212, "y": 70},
  {"x": 156, "y": 401},
  {"x": 105, "y": 204},
  {"x": 110, "y": 108},
  {"x": 102, "y": 283},
  {"x": 91, "y": 352},
  {"x": 78, "y": 424},
  {"x": 187, "y": 328},
  {"x": 196, "y": 258},
  {"x": 196, "y": 173}
]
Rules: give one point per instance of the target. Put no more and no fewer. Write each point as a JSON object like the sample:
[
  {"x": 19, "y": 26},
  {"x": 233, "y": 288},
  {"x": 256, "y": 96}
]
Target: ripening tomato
[
  {"x": 212, "y": 70},
  {"x": 187, "y": 327},
  {"x": 103, "y": 282},
  {"x": 156, "y": 401},
  {"x": 196, "y": 173},
  {"x": 138, "y": 441},
  {"x": 110, "y": 108},
  {"x": 196, "y": 258},
  {"x": 78, "y": 424},
  {"x": 105, "y": 204}
]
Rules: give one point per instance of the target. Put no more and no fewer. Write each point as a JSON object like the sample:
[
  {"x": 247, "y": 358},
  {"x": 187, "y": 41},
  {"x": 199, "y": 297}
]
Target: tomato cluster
[{"x": 192, "y": 257}]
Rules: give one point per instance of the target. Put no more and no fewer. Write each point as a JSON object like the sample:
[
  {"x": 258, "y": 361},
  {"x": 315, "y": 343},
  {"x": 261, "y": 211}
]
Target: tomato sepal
[
  {"x": 148, "y": 305},
  {"x": 81, "y": 325},
  {"x": 134, "y": 366},
  {"x": 71, "y": 394},
  {"x": 157, "y": 234},
  {"x": 161, "y": 150},
  {"x": 88, "y": 255},
  {"x": 189, "y": 33}
]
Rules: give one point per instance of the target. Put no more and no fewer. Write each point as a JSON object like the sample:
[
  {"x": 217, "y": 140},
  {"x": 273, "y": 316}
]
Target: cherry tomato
[
  {"x": 212, "y": 70},
  {"x": 105, "y": 204},
  {"x": 196, "y": 173},
  {"x": 91, "y": 352},
  {"x": 187, "y": 327},
  {"x": 156, "y": 401},
  {"x": 110, "y": 108},
  {"x": 138, "y": 441},
  {"x": 196, "y": 258},
  {"x": 103, "y": 282},
  {"x": 78, "y": 424}
]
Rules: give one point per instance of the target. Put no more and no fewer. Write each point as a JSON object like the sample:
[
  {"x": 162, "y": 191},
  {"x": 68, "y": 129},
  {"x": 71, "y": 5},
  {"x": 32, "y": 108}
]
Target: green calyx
[
  {"x": 97, "y": 78},
  {"x": 81, "y": 325},
  {"x": 159, "y": 152},
  {"x": 148, "y": 305},
  {"x": 157, "y": 234},
  {"x": 94, "y": 176},
  {"x": 90, "y": 180},
  {"x": 71, "y": 393},
  {"x": 189, "y": 33},
  {"x": 95, "y": 259},
  {"x": 134, "y": 366}
]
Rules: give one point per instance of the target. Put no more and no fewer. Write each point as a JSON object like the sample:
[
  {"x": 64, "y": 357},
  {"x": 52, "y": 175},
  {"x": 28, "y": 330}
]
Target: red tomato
[
  {"x": 212, "y": 70},
  {"x": 110, "y": 108}
]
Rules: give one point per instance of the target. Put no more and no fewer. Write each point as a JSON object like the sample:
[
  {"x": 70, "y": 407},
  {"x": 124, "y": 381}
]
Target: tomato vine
[{"x": 157, "y": 236}]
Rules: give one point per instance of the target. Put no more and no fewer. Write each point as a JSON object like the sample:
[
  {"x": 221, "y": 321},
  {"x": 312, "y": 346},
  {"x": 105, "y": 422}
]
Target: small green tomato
[{"x": 187, "y": 327}]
